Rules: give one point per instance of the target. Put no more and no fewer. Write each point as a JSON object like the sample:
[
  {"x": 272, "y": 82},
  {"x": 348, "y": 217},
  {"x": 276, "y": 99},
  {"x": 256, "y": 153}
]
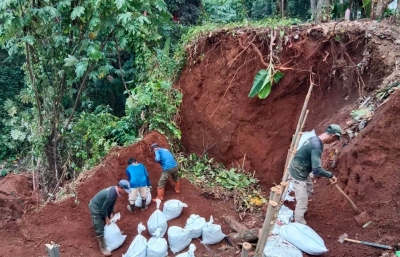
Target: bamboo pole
[
  {"x": 303, "y": 111},
  {"x": 245, "y": 249},
  {"x": 272, "y": 205}
]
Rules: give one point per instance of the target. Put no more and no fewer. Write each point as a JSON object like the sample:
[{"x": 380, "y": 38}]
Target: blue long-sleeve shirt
[
  {"x": 137, "y": 175},
  {"x": 165, "y": 158}
]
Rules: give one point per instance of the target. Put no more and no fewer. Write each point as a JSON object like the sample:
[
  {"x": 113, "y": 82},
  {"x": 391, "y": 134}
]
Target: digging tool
[
  {"x": 362, "y": 217},
  {"x": 344, "y": 237},
  {"x": 353, "y": 206}
]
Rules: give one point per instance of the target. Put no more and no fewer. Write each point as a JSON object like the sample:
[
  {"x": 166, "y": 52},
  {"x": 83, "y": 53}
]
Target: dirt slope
[
  {"x": 218, "y": 116},
  {"x": 69, "y": 224}
]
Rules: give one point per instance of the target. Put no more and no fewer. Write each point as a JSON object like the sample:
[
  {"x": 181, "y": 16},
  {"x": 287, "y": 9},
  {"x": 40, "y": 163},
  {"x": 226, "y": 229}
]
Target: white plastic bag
[
  {"x": 285, "y": 215},
  {"x": 112, "y": 234},
  {"x": 173, "y": 208},
  {"x": 189, "y": 253},
  {"x": 304, "y": 237},
  {"x": 276, "y": 246},
  {"x": 138, "y": 245},
  {"x": 157, "y": 220},
  {"x": 195, "y": 223},
  {"x": 138, "y": 201},
  {"x": 305, "y": 136},
  {"x": 178, "y": 238},
  {"x": 212, "y": 233},
  {"x": 157, "y": 246}
]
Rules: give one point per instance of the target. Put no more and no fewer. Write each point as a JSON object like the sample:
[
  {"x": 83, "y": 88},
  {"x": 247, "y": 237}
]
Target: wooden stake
[
  {"x": 272, "y": 205},
  {"x": 245, "y": 249}
]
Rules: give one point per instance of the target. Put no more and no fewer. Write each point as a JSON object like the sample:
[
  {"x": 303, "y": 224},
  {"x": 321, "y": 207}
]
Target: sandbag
[
  {"x": 189, "y": 253},
  {"x": 276, "y": 246},
  {"x": 157, "y": 246},
  {"x": 195, "y": 224},
  {"x": 285, "y": 215},
  {"x": 138, "y": 245},
  {"x": 138, "y": 201},
  {"x": 304, "y": 237},
  {"x": 178, "y": 238},
  {"x": 173, "y": 208},
  {"x": 112, "y": 234},
  {"x": 157, "y": 220},
  {"x": 212, "y": 233}
]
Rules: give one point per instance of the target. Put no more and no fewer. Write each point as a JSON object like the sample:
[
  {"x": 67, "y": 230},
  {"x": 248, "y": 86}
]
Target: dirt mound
[
  {"x": 68, "y": 222},
  {"x": 369, "y": 172},
  {"x": 218, "y": 116},
  {"x": 15, "y": 197}
]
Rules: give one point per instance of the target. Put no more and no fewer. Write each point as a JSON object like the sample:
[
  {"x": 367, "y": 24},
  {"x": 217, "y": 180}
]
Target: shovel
[
  {"x": 344, "y": 237},
  {"x": 362, "y": 217}
]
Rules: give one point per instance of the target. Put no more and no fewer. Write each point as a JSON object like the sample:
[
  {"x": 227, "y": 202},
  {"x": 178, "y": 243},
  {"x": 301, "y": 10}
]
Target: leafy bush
[
  {"x": 210, "y": 175},
  {"x": 224, "y": 11}
]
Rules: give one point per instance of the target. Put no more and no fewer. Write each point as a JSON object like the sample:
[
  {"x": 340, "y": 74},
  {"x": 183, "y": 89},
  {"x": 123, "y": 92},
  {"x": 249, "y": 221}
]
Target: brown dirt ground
[
  {"x": 217, "y": 115},
  {"x": 69, "y": 224}
]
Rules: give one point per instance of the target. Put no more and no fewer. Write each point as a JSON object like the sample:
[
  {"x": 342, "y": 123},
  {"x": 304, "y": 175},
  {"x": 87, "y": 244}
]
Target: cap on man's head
[
  {"x": 334, "y": 129},
  {"x": 125, "y": 185},
  {"x": 155, "y": 145}
]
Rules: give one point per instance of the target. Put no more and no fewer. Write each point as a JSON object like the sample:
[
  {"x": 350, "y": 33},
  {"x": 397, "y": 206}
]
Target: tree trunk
[
  {"x": 313, "y": 8},
  {"x": 278, "y": 7},
  {"x": 398, "y": 10},
  {"x": 381, "y": 7},
  {"x": 323, "y": 11}
]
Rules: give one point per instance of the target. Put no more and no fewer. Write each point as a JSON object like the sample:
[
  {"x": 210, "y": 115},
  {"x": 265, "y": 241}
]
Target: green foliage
[
  {"x": 263, "y": 82},
  {"x": 187, "y": 11},
  {"x": 89, "y": 139},
  {"x": 207, "y": 173},
  {"x": 261, "y": 9},
  {"x": 154, "y": 105},
  {"x": 225, "y": 11}
]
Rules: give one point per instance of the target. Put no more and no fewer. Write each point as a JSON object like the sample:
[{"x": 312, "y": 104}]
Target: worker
[
  {"x": 307, "y": 160},
  {"x": 169, "y": 166},
  {"x": 139, "y": 181},
  {"x": 102, "y": 210}
]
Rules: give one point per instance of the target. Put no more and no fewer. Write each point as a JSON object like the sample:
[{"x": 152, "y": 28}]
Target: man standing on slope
[
  {"x": 139, "y": 181},
  {"x": 169, "y": 166},
  {"x": 102, "y": 210},
  {"x": 307, "y": 160}
]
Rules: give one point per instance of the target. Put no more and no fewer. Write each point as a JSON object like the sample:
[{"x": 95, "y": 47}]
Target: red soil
[
  {"x": 218, "y": 116},
  {"x": 69, "y": 224}
]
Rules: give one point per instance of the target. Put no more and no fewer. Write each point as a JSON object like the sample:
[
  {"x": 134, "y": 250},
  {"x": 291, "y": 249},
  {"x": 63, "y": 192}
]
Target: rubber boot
[
  {"x": 177, "y": 187},
  {"x": 103, "y": 248},
  {"x": 131, "y": 208},
  {"x": 144, "y": 206},
  {"x": 160, "y": 194}
]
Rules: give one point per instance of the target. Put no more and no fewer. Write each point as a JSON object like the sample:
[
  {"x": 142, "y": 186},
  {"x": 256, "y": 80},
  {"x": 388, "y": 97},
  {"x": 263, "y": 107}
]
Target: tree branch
[
  {"x": 120, "y": 69},
  {"x": 32, "y": 77},
  {"x": 79, "y": 95}
]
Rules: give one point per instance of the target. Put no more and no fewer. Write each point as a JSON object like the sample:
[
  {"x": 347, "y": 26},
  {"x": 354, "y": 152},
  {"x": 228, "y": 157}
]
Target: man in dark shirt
[
  {"x": 307, "y": 160},
  {"x": 170, "y": 168},
  {"x": 102, "y": 210}
]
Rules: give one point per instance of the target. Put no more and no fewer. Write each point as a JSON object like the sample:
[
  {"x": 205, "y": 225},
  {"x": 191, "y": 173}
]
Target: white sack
[
  {"x": 306, "y": 135},
  {"x": 276, "y": 246},
  {"x": 304, "y": 237},
  {"x": 285, "y": 215},
  {"x": 138, "y": 201},
  {"x": 112, "y": 234},
  {"x": 157, "y": 246},
  {"x": 195, "y": 223},
  {"x": 212, "y": 233},
  {"x": 157, "y": 220},
  {"x": 173, "y": 208},
  {"x": 189, "y": 253},
  {"x": 138, "y": 245},
  {"x": 178, "y": 238}
]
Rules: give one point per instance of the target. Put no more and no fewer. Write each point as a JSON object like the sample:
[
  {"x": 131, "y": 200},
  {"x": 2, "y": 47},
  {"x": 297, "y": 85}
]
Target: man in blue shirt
[
  {"x": 169, "y": 166},
  {"x": 139, "y": 181}
]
